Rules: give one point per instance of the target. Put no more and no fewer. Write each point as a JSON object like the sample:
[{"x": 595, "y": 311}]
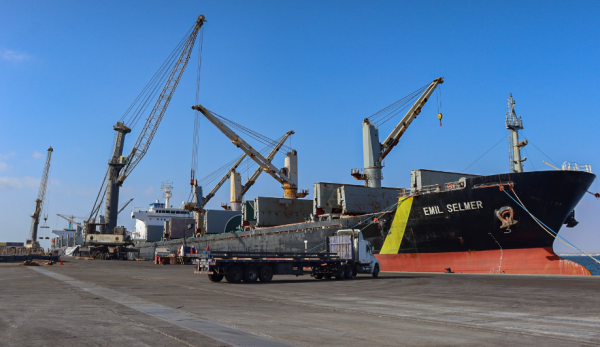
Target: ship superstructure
[{"x": 150, "y": 221}]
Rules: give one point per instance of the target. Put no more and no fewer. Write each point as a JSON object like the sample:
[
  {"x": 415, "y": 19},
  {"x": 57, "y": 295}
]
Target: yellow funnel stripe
[{"x": 392, "y": 242}]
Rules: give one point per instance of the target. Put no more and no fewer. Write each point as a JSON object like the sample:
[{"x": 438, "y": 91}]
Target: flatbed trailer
[
  {"x": 252, "y": 266},
  {"x": 345, "y": 263}
]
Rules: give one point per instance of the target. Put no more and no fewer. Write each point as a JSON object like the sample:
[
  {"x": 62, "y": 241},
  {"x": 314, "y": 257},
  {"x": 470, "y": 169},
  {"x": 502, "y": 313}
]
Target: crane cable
[
  {"x": 486, "y": 152},
  {"x": 211, "y": 177},
  {"x": 195, "y": 135},
  {"x": 96, "y": 208},
  {"x": 255, "y": 135},
  {"x": 133, "y": 114},
  {"x": 382, "y": 116},
  {"x": 46, "y": 201}
]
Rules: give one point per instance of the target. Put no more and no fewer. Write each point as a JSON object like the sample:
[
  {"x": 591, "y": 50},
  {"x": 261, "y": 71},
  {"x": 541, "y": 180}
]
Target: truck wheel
[
  {"x": 376, "y": 271},
  {"x": 339, "y": 273},
  {"x": 319, "y": 276},
  {"x": 234, "y": 274},
  {"x": 354, "y": 271},
  {"x": 327, "y": 276},
  {"x": 215, "y": 277},
  {"x": 265, "y": 274},
  {"x": 348, "y": 272},
  {"x": 250, "y": 274}
]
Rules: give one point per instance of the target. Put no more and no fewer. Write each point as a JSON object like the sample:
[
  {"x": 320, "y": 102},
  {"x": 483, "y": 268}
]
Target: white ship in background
[{"x": 149, "y": 224}]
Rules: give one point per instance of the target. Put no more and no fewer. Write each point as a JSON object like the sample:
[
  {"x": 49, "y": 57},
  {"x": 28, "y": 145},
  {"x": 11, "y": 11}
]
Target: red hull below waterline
[{"x": 535, "y": 261}]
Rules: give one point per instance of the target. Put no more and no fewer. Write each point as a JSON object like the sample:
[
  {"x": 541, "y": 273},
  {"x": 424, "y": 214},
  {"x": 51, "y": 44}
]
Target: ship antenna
[{"x": 514, "y": 123}]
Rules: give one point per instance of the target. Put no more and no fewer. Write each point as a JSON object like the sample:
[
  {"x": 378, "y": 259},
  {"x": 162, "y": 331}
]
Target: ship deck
[{"x": 108, "y": 303}]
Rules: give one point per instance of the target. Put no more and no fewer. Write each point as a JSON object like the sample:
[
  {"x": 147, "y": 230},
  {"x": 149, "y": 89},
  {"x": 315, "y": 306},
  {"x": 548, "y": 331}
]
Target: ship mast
[
  {"x": 514, "y": 123},
  {"x": 167, "y": 188}
]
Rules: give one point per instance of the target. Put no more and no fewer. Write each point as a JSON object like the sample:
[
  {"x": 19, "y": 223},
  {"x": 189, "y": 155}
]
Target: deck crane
[
  {"x": 287, "y": 176},
  {"x": 238, "y": 190},
  {"x": 375, "y": 152},
  {"x": 120, "y": 166},
  {"x": 219, "y": 184},
  {"x": 32, "y": 242}
]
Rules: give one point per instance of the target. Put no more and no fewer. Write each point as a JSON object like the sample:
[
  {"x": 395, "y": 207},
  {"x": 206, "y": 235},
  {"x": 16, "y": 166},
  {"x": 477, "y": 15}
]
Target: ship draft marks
[{"x": 453, "y": 208}]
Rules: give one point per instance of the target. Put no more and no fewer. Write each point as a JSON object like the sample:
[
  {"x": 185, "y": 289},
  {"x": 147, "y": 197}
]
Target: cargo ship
[{"x": 445, "y": 222}]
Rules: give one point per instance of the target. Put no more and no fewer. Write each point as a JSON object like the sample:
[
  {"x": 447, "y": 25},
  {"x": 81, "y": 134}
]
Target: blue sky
[{"x": 70, "y": 69}]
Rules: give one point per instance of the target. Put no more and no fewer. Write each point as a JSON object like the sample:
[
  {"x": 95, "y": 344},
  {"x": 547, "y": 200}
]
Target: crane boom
[
  {"x": 70, "y": 219},
  {"x": 375, "y": 152},
  {"x": 270, "y": 157},
  {"x": 222, "y": 181},
  {"x": 145, "y": 138},
  {"x": 290, "y": 189},
  {"x": 392, "y": 140},
  {"x": 125, "y": 205},
  {"x": 35, "y": 216}
]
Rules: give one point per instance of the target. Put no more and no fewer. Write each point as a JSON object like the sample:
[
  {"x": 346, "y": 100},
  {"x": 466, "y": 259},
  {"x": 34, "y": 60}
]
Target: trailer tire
[
  {"x": 234, "y": 274},
  {"x": 327, "y": 276},
  {"x": 348, "y": 272},
  {"x": 250, "y": 274},
  {"x": 265, "y": 273},
  {"x": 339, "y": 272},
  {"x": 376, "y": 271},
  {"x": 215, "y": 277},
  {"x": 319, "y": 276}
]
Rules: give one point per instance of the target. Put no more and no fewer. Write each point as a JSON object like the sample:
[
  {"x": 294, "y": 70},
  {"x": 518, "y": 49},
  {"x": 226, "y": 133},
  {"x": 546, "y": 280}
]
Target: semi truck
[{"x": 347, "y": 255}]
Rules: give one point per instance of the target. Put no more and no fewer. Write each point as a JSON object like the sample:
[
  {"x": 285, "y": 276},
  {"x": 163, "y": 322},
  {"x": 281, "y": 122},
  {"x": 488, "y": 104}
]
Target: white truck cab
[{"x": 364, "y": 260}]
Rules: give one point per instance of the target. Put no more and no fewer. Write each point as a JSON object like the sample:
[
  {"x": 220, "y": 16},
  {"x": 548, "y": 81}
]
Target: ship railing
[
  {"x": 434, "y": 188},
  {"x": 573, "y": 166}
]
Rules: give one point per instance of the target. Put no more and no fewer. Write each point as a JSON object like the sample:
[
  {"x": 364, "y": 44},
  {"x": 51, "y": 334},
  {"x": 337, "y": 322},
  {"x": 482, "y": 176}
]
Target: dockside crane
[
  {"x": 124, "y": 205},
  {"x": 375, "y": 152},
  {"x": 32, "y": 242},
  {"x": 287, "y": 176},
  {"x": 120, "y": 166}
]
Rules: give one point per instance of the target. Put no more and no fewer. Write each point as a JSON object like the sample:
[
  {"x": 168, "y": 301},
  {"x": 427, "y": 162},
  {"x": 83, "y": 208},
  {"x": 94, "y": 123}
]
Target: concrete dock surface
[{"x": 126, "y": 303}]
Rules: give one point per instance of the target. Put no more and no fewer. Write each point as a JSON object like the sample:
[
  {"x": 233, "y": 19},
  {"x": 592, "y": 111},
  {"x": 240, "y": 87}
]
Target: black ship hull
[{"x": 474, "y": 226}]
